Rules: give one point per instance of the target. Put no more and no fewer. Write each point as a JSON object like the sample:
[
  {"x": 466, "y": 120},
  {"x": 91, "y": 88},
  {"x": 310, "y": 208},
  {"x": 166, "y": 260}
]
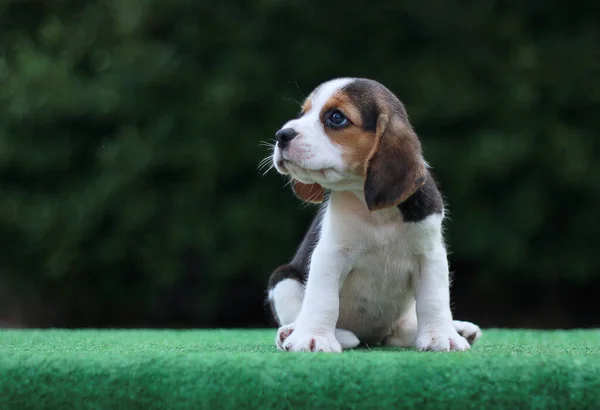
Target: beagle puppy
[{"x": 372, "y": 267}]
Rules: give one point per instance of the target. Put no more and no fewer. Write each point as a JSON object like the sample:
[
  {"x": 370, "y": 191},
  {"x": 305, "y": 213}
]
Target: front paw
[
  {"x": 468, "y": 330},
  {"x": 291, "y": 340},
  {"x": 282, "y": 334},
  {"x": 441, "y": 340}
]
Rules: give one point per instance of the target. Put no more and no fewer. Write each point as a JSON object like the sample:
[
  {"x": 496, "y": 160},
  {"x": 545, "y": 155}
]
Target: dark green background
[{"x": 129, "y": 145}]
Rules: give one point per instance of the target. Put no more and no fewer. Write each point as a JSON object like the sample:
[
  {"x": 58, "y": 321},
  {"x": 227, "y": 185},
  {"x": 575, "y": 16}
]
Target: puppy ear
[
  {"x": 313, "y": 193},
  {"x": 395, "y": 167}
]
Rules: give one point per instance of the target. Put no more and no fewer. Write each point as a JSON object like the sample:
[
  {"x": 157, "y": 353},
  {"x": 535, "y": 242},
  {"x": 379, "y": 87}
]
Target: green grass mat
[{"x": 142, "y": 369}]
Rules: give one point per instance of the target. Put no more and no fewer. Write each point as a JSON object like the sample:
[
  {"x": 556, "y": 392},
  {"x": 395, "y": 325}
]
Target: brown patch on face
[
  {"x": 341, "y": 101},
  {"x": 356, "y": 145},
  {"x": 307, "y": 105},
  {"x": 313, "y": 193},
  {"x": 356, "y": 142}
]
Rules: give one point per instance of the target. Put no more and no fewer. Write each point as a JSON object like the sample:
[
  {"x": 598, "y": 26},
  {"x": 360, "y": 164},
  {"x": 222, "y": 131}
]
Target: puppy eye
[{"x": 335, "y": 119}]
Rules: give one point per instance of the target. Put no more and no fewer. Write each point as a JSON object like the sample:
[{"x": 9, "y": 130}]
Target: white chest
[{"x": 378, "y": 288}]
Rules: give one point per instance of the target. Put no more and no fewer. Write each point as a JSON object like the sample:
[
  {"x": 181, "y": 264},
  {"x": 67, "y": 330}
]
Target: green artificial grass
[{"x": 226, "y": 369}]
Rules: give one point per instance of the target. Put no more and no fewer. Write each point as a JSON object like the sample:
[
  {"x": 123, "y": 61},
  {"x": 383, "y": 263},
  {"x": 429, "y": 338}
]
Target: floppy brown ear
[
  {"x": 313, "y": 193},
  {"x": 395, "y": 168}
]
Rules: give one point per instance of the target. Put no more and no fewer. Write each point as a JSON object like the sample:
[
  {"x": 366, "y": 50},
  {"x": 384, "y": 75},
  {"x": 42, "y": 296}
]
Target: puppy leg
[
  {"x": 314, "y": 328},
  {"x": 285, "y": 295},
  {"x": 347, "y": 339},
  {"x": 404, "y": 331},
  {"x": 436, "y": 330}
]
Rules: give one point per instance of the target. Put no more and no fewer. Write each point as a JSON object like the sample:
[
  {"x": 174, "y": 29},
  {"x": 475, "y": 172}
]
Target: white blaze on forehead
[{"x": 326, "y": 90}]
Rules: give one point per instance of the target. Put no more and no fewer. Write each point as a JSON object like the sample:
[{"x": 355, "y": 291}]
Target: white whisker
[
  {"x": 307, "y": 202},
  {"x": 265, "y": 163},
  {"x": 289, "y": 182},
  {"x": 292, "y": 100},
  {"x": 268, "y": 169}
]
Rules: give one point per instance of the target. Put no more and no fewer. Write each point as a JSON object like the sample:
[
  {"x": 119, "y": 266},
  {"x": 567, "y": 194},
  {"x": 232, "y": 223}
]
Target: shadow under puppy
[{"x": 372, "y": 267}]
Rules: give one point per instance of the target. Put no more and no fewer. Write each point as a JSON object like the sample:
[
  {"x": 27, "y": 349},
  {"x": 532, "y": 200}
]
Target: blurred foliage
[{"x": 130, "y": 132}]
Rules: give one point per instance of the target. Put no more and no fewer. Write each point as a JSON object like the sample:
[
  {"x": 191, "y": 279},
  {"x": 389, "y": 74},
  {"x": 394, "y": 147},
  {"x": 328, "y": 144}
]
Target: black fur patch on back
[
  {"x": 426, "y": 201},
  {"x": 298, "y": 267},
  {"x": 283, "y": 272}
]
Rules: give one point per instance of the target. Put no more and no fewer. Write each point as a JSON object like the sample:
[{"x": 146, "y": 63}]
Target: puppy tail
[{"x": 346, "y": 338}]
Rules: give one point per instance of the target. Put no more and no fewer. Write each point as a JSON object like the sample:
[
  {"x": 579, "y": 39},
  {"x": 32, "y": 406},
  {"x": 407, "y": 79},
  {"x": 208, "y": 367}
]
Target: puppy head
[{"x": 352, "y": 134}]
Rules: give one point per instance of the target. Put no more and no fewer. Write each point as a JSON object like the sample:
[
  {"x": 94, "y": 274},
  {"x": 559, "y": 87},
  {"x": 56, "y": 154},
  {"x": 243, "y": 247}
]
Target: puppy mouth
[
  {"x": 281, "y": 166},
  {"x": 284, "y": 164}
]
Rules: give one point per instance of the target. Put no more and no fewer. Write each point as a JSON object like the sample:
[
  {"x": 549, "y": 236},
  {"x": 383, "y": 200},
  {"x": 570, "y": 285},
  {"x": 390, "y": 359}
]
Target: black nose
[{"x": 284, "y": 136}]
